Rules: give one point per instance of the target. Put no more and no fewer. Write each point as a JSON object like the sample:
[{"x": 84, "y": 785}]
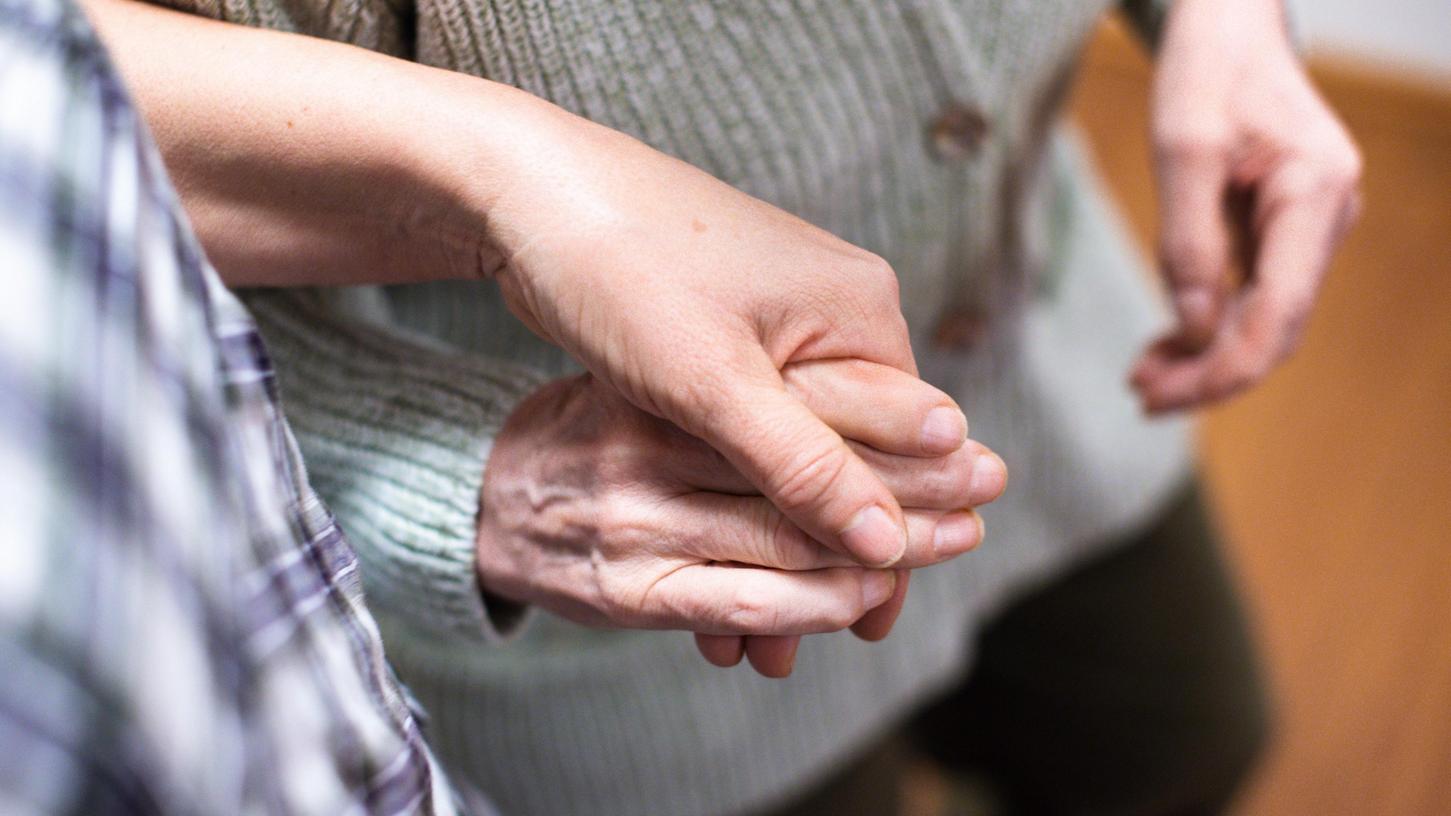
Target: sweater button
[
  {"x": 960, "y": 331},
  {"x": 957, "y": 133}
]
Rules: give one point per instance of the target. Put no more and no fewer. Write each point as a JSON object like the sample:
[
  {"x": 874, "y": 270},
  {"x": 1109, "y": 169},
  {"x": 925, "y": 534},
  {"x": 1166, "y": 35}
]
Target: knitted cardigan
[{"x": 923, "y": 130}]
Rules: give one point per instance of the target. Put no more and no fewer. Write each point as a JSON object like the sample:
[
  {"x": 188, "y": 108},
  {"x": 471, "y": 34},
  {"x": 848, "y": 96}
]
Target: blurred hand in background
[{"x": 1255, "y": 173}]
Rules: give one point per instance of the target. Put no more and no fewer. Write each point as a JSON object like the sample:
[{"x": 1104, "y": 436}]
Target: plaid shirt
[{"x": 181, "y": 624}]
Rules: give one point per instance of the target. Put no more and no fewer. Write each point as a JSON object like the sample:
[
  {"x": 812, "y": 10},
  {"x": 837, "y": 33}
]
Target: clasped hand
[{"x": 610, "y": 516}]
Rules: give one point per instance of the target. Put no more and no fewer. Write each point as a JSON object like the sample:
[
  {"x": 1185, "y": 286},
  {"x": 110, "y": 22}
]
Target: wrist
[
  {"x": 506, "y": 161},
  {"x": 1244, "y": 20}
]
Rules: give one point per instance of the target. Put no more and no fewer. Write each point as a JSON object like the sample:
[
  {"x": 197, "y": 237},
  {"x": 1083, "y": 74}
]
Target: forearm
[
  {"x": 304, "y": 161},
  {"x": 1247, "y": 18},
  {"x": 680, "y": 292}
]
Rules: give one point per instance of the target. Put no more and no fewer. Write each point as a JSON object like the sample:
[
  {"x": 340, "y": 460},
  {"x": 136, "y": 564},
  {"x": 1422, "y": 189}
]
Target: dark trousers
[{"x": 1129, "y": 686}]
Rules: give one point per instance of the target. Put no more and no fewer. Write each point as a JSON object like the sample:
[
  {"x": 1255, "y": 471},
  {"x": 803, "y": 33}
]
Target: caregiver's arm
[{"x": 305, "y": 161}]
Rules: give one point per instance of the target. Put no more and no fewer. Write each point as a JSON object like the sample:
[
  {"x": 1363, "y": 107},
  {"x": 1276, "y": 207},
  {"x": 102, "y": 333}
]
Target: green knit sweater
[{"x": 923, "y": 130}]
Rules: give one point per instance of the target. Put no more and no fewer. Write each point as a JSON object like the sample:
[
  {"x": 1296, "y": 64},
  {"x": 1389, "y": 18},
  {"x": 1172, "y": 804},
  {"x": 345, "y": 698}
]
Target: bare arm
[{"x": 305, "y": 161}]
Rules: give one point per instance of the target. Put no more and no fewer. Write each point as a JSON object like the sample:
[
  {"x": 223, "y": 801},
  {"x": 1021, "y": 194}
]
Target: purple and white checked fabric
[{"x": 182, "y": 628}]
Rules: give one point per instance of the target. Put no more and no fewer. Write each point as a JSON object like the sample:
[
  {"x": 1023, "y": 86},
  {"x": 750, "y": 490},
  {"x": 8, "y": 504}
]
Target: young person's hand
[
  {"x": 1254, "y": 169},
  {"x": 303, "y": 161},
  {"x": 689, "y": 297},
  {"x": 609, "y": 516}
]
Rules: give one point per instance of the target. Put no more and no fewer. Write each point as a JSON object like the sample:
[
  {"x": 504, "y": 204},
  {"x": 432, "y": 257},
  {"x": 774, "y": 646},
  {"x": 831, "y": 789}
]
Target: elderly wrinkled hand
[
  {"x": 1254, "y": 171},
  {"x": 688, "y": 297},
  {"x": 607, "y": 515}
]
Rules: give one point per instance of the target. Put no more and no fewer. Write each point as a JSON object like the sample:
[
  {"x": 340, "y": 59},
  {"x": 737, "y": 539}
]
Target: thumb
[{"x": 805, "y": 468}]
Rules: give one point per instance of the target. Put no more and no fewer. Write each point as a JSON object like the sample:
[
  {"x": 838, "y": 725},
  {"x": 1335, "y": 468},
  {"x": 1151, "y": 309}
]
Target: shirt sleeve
[
  {"x": 1147, "y": 17},
  {"x": 395, "y": 430},
  {"x": 378, "y": 25}
]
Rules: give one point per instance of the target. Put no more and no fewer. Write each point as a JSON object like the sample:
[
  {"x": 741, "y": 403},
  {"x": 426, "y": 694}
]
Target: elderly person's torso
[{"x": 923, "y": 131}]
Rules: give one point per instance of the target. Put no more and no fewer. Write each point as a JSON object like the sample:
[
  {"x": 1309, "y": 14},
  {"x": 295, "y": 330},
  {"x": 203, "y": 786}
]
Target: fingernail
[
  {"x": 989, "y": 477},
  {"x": 874, "y": 538},
  {"x": 877, "y": 587},
  {"x": 956, "y": 533},
  {"x": 944, "y": 430}
]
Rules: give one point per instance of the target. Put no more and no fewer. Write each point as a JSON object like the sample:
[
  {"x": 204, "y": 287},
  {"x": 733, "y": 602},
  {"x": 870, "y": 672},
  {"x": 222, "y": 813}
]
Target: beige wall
[{"x": 1414, "y": 34}]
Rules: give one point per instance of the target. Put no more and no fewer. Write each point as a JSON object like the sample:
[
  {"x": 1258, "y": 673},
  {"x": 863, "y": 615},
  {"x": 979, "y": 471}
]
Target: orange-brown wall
[{"x": 1334, "y": 479}]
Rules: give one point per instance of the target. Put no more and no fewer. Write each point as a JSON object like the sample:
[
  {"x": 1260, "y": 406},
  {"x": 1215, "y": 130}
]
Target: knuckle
[
  {"x": 1348, "y": 166},
  {"x": 616, "y": 525},
  {"x": 752, "y": 611},
  {"x": 615, "y": 464},
  {"x": 1335, "y": 171},
  {"x": 1339, "y": 158},
  {"x": 786, "y": 546},
  {"x": 697, "y": 398},
  {"x": 803, "y": 380},
  {"x": 618, "y": 599},
  {"x": 618, "y": 534},
  {"x": 808, "y": 477},
  {"x": 1331, "y": 178},
  {"x": 880, "y": 281},
  {"x": 1301, "y": 181}
]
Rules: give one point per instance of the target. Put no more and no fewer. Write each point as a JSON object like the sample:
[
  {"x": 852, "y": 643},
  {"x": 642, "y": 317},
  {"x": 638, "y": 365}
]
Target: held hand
[
  {"x": 689, "y": 298},
  {"x": 1253, "y": 169},
  {"x": 342, "y": 166},
  {"x": 609, "y": 516}
]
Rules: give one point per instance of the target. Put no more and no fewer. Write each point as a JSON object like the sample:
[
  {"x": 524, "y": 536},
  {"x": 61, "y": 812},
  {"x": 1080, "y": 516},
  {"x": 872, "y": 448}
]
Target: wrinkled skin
[{"x": 609, "y": 516}]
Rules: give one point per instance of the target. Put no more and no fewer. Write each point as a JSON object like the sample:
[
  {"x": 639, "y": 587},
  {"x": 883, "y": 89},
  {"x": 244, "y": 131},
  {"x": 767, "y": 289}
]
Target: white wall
[{"x": 1412, "y": 33}]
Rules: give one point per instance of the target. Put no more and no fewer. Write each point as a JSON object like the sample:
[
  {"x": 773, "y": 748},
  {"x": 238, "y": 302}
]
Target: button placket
[{"x": 957, "y": 133}]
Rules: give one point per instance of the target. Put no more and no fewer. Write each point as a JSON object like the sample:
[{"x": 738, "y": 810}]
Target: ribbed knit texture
[
  {"x": 393, "y": 428},
  {"x": 575, "y": 721},
  {"x": 823, "y": 108}
]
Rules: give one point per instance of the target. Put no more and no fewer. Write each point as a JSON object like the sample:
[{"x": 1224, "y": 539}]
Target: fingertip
[
  {"x": 724, "y": 651},
  {"x": 875, "y": 538},
  {"x": 1160, "y": 404},
  {"x": 1171, "y": 379},
  {"x": 944, "y": 430},
  {"x": 1198, "y": 309},
  {"x": 1142, "y": 370},
  {"x": 1156, "y": 358},
  {"x": 772, "y": 656},
  {"x": 956, "y": 533},
  {"x": 877, "y": 623},
  {"x": 877, "y": 587},
  {"x": 989, "y": 478}
]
